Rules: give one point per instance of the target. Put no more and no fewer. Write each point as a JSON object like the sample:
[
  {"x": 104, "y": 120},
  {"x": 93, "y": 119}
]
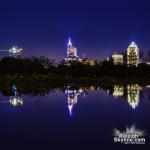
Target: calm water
[{"x": 86, "y": 116}]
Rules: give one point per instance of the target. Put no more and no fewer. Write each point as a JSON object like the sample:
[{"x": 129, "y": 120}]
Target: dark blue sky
[{"x": 96, "y": 27}]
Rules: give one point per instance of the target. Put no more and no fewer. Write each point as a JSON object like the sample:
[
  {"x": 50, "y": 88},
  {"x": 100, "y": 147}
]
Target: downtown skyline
[{"x": 97, "y": 28}]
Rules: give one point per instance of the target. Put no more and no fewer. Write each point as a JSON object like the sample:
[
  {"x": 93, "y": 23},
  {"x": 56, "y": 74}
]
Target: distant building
[
  {"x": 92, "y": 62},
  {"x": 117, "y": 59},
  {"x": 71, "y": 52},
  {"x": 133, "y": 55},
  {"x": 88, "y": 62},
  {"x": 15, "y": 51}
]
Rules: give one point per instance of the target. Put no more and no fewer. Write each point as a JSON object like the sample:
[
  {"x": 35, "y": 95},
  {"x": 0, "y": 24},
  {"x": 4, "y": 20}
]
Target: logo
[{"x": 129, "y": 136}]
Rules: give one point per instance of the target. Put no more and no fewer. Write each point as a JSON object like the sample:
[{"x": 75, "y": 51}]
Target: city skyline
[
  {"x": 71, "y": 52},
  {"x": 97, "y": 29},
  {"x": 74, "y": 74}
]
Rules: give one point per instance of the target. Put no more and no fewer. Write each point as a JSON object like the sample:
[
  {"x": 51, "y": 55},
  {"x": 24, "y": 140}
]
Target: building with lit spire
[
  {"x": 133, "y": 55},
  {"x": 71, "y": 51}
]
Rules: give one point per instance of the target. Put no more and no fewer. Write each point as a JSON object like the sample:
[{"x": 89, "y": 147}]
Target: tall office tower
[
  {"x": 71, "y": 51},
  {"x": 133, "y": 55}
]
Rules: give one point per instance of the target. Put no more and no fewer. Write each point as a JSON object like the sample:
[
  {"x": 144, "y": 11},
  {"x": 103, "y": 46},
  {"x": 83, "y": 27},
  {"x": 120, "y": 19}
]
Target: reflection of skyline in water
[
  {"x": 65, "y": 111},
  {"x": 72, "y": 96},
  {"x": 130, "y": 91},
  {"x": 16, "y": 99},
  {"x": 133, "y": 93},
  {"x": 118, "y": 91}
]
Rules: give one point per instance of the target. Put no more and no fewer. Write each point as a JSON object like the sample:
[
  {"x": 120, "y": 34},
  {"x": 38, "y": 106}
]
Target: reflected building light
[
  {"x": 70, "y": 91},
  {"x": 72, "y": 100},
  {"x": 70, "y": 107},
  {"x": 92, "y": 88},
  {"x": 16, "y": 101},
  {"x": 108, "y": 91},
  {"x": 133, "y": 92},
  {"x": 72, "y": 96},
  {"x": 80, "y": 91},
  {"x": 85, "y": 93},
  {"x": 118, "y": 91}
]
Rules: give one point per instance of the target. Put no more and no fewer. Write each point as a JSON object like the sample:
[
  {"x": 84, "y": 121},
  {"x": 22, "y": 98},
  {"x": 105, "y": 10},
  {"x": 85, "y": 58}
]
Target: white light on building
[
  {"x": 133, "y": 54},
  {"x": 117, "y": 59},
  {"x": 15, "y": 51},
  {"x": 71, "y": 51}
]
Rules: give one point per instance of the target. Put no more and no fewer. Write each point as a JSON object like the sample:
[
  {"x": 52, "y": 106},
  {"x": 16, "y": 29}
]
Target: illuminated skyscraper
[
  {"x": 133, "y": 54},
  {"x": 71, "y": 51}
]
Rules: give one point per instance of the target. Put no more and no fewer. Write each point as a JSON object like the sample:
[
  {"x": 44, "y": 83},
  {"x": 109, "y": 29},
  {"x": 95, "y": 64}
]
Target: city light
[
  {"x": 15, "y": 101},
  {"x": 117, "y": 59},
  {"x": 118, "y": 91},
  {"x": 133, "y": 92},
  {"x": 133, "y": 57},
  {"x": 15, "y": 51}
]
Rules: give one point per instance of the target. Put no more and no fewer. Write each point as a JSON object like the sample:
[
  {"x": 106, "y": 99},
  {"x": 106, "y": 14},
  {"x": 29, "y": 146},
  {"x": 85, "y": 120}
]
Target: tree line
[{"x": 73, "y": 69}]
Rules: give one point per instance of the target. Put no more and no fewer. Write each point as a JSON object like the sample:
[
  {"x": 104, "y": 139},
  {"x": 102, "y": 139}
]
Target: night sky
[{"x": 97, "y": 27}]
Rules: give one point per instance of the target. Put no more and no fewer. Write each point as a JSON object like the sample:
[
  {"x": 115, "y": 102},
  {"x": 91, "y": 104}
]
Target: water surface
[{"x": 73, "y": 116}]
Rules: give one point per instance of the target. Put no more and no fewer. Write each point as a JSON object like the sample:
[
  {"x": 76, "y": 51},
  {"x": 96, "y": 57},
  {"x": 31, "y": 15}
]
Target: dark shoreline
[
  {"x": 61, "y": 80},
  {"x": 42, "y": 85}
]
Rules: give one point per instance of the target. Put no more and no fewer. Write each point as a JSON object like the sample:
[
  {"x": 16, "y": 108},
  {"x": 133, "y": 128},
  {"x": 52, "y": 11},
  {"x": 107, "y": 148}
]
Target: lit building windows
[
  {"x": 71, "y": 52},
  {"x": 15, "y": 51},
  {"x": 117, "y": 59},
  {"x": 133, "y": 54},
  {"x": 118, "y": 91}
]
